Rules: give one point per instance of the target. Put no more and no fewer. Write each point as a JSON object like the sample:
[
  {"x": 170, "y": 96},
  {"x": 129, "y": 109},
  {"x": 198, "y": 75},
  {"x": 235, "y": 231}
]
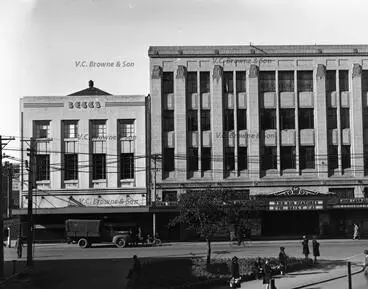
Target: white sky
[{"x": 40, "y": 40}]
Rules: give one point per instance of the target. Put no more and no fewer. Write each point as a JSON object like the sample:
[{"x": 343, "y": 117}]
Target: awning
[{"x": 83, "y": 210}]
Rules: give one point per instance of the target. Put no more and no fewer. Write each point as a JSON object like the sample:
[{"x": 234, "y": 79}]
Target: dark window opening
[
  {"x": 268, "y": 119},
  {"x": 305, "y": 80},
  {"x": 331, "y": 118},
  {"x": 343, "y": 193},
  {"x": 269, "y": 158},
  {"x": 306, "y": 118},
  {"x": 228, "y": 82},
  {"x": 242, "y": 158},
  {"x": 242, "y": 119},
  {"x": 365, "y": 80},
  {"x": 127, "y": 166},
  {"x": 229, "y": 119},
  {"x": 345, "y": 155},
  {"x": 330, "y": 80},
  {"x": 192, "y": 120},
  {"x": 307, "y": 157},
  {"x": 71, "y": 167},
  {"x": 365, "y": 117},
  {"x": 345, "y": 118},
  {"x": 42, "y": 167},
  {"x": 168, "y": 120},
  {"x": 288, "y": 158},
  {"x": 169, "y": 160},
  {"x": 99, "y": 166},
  {"x": 344, "y": 80},
  {"x": 168, "y": 82},
  {"x": 193, "y": 159},
  {"x": 286, "y": 81},
  {"x": 204, "y": 81},
  {"x": 241, "y": 81},
  {"x": 205, "y": 120},
  {"x": 192, "y": 82},
  {"x": 287, "y": 118},
  {"x": 206, "y": 159},
  {"x": 229, "y": 159},
  {"x": 332, "y": 157},
  {"x": 267, "y": 81}
]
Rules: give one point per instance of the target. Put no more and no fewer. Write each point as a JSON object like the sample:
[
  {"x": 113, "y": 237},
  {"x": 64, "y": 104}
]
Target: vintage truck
[{"x": 87, "y": 232}]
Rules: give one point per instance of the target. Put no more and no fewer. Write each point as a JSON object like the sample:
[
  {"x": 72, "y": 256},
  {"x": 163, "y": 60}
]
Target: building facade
[
  {"x": 285, "y": 128},
  {"x": 90, "y": 159}
]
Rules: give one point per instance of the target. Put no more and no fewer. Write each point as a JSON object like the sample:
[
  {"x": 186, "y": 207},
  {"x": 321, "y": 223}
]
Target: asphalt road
[{"x": 359, "y": 281}]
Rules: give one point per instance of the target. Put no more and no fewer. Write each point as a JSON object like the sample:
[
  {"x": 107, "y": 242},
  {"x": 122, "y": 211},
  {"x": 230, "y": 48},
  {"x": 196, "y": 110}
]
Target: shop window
[
  {"x": 267, "y": 81},
  {"x": 307, "y": 157},
  {"x": 269, "y": 158},
  {"x": 344, "y": 80},
  {"x": 228, "y": 82},
  {"x": 288, "y": 158},
  {"x": 205, "y": 119},
  {"x": 268, "y": 119},
  {"x": 229, "y": 159},
  {"x": 242, "y": 158},
  {"x": 330, "y": 80},
  {"x": 206, "y": 159},
  {"x": 168, "y": 82},
  {"x": 99, "y": 166},
  {"x": 287, "y": 118},
  {"x": 228, "y": 119},
  {"x": 286, "y": 81},
  {"x": 169, "y": 160},
  {"x": 305, "y": 80},
  {"x": 242, "y": 119},
  {"x": 71, "y": 167},
  {"x": 126, "y": 166},
  {"x": 240, "y": 81},
  {"x": 204, "y": 77},
  {"x": 192, "y": 120},
  {"x": 43, "y": 167}
]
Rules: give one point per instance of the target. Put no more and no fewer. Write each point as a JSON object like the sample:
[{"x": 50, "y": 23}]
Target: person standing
[
  {"x": 305, "y": 244},
  {"x": 356, "y": 232},
  {"x": 315, "y": 246},
  {"x": 19, "y": 246},
  {"x": 283, "y": 260},
  {"x": 267, "y": 274}
]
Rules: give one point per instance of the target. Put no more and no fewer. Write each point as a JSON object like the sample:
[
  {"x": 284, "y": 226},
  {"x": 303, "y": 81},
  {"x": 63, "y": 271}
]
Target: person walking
[
  {"x": 305, "y": 244},
  {"x": 19, "y": 246},
  {"x": 283, "y": 261},
  {"x": 267, "y": 274},
  {"x": 235, "y": 273},
  {"x": 315, "y": 246},
  {"x": 356, "y": 232},
  {"x": 134, "y": 273}
]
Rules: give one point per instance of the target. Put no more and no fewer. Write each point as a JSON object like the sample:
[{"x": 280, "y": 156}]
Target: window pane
[
  {"x": 126, "y": 128},
  {"x": 168, "y": 82},
  {"x": 267, "y": 81},
  {"x": 206, "y": 159},
  {"x": 287, "y": 118},
  {"x": 344, "y": 80},
  {"x": 228, "y": 82},
  {"x": 42, "y": 129},
  {"x": 307, "y": 158},
  {"x": 169, "y": 196},
  {"x": 70, "y": 129},
  {"x": 168, "y": 120},
  {"x": 331, "y": 118},
  {"x": 205, "y": 81},
  {"x": 243, "y": 158},
  {"x": 345, "y": 118},
  {"x": 206, "y": 119},
  {"x": 268, "y": 119},
  {"x": 193, "y": 159},
  {"x": 343, "y": 193},
  {"x": 99, "y": 128},
  {"x": 42, "y": 167},
  {"x": 229, "y": 119},
  {"x": 169, "y": 160},
  {"x": 332, "y": 157},
  {"x": 286, "y": 81},
  {"x": 71, "y": 167},
  {"x": 192, "y": 120},
  {"x": 288, "y": 158},
  {"x": 192, "y": 82},
  {"x": 345, "y": 153},
  {"x": 269, "y": 158},
  {"x": 99, "y": 166},
  {"x": 127, "y": 166},
  {"x": 330, "y": 80},
  {"x": 240, "y": 81},
  {"x": 305, "y": 80},
  {"x": 306, "y": 118},
  {"x": 242, "y": 119},
  {"x": 229, "y": 159}
]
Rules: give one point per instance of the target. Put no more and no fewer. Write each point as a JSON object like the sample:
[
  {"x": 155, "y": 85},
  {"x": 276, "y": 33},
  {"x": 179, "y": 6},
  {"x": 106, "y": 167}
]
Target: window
[
  {"x": 168, "y": 120},
  {"x": 126, "y": 166},
  {"x": 305, "y": 80},
  {"x": 330, "y": 80},
  {"x": 243, "y": 158},
  {"x": 206, "y": 159},
  {"x": 306, "y": 118},
  {"x": 287, "y": 120},
  {"x": 99, "y": 166},
  {"x": 192, "y": 120},
  {"x": 71, "y": 167},
  {"x": 192, "y": 82},
  {"x": 42, "y": 167},
  {"x": 169, "y": 196},
  {"x": 288, "y": 158},
  {"x": 365, "y": 117},
  {"x": 344, "y": 80},
  {"x": 204, "y": 77},
  {"x": 242, "y": 119},
  {"x": 229, "y": 119},
  {"x": 228, "y": 82},
  {"x": 332, "y": 157},
  {"x": 266, "y": 81},
  {"x": 286, "y": 81},
  {"x": 126, "y": 128},
  {"x": 345, "y": 118},
  {"x": 345, "y": 155},
  {"x": 98, "y": 128},
  {"x": 365, "y": 80},
  {"x": 43, "y": 129},
  {"x": 229, "y": 159},
  {"x": 365, "y": 158},
  {"x": 331, "y": 118},
  {"x": 241, "y": 81},
  {"x": 205, "y": 120},
  {"x": 268, "y": 119},
  {"x": 269, "y": 159},
  {"x": 168, "y": 82},
  {"x": 343, "y": 193},
  {"x": 169, "y": 160},
  {"x": 70, "y": 129},
  {"x": 307, "y": 157},
  {"x": 193, "y": 159}
]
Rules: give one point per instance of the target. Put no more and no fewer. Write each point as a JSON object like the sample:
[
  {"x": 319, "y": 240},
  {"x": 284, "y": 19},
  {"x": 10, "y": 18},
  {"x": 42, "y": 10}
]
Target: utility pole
[{"x": 31, "y": 178}]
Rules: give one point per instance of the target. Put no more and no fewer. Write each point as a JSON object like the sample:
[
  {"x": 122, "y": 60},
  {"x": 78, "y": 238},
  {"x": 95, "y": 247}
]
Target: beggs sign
[{"x": 84, "y": 104}]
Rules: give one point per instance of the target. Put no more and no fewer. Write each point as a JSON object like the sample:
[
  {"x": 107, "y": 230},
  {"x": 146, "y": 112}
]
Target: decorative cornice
[
  {"x": 217, "y": 72},
  {"x": 181, "y": 72},
  {"x": 321, "y": 71},
  {"x": 253, "y": 71},
  {"x": 357, "y": 70},
  {"x": 156, "y": 72}
]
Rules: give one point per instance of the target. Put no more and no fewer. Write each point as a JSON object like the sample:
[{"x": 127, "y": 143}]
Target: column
[
  {"x": 180, "y": 123},
  {"x": 278, "y": 127},
  {"x": 217, "y": 115},
  {"x": 297, "y": 131},
  {"x": 338, "y": 116},
  {"x": 320, "y": 127},
  {"x": 113, "y": 177},
  {"x": 236, "y": 130},
  {"x": 84, "y": 151},
  {"x": 253, "y": 106},
  {"x": 199, "y": 106},
  {"x": 356, "y": 130},
  {"x": 55, "y": 155}
]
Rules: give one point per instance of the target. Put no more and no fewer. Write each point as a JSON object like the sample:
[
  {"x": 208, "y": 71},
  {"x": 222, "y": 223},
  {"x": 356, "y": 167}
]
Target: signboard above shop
[
  {"x": 356, "y": 203},
  {"x": 296, "y": 205}
]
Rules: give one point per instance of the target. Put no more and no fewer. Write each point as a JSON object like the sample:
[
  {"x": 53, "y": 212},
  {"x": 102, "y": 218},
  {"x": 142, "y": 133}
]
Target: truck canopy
[{"x": 87, "y": 228}]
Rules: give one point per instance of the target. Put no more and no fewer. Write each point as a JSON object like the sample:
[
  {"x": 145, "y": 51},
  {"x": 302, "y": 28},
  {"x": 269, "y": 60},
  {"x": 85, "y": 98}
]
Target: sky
[{"x": 42, "y": 41}]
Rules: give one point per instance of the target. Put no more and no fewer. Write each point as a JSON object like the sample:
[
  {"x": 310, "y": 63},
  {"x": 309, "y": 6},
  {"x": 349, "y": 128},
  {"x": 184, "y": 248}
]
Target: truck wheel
[
  {"x": 120, "y": 243},
  {"x": 157, "y": 242},
  {"x": 83, "y": 243}
]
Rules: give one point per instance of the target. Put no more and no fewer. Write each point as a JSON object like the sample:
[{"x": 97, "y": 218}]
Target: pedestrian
[
  {"x": 283, "y": 260},
  {"x": 235, "y": 274},
  {"x": 315, "y": 246},
  {"x": 267, "y": 274},
  {"x": 134, "y": 273},
  {"x": 356, "y": 232},
  {"x": 366, "y": 263},
  {"x": 258, "y": 268},
  {"x": 305, "y": 244},
  {"x": 19, "y": 246}
]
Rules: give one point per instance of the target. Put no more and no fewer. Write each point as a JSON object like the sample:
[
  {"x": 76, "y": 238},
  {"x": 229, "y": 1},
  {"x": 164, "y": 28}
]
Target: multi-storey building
[
  {"x": 90, "y": 159},
  {"x": 285, "y": 128}
]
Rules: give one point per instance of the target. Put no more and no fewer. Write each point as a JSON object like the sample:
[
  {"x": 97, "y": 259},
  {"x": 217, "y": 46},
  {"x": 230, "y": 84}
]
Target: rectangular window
[
  {"x": 365, "y": 117},
  {"x": 242, "y": 119},
  {"x": 306, "y": 118},
  {"x": 243, "y": 158},
  {"x": 192, "y": 120},
  {"x": 365, "y": 80},
  {"x": 42, "y": 167},
  {"x": 228, "y": 119},
  {"x": 305, "y": 80},
  {"x": 345, "y": 118},
  {"x": 169, "y": 160},
  {"x": 287, "y": 118},
  {"x": 344, "y": 80},
  {"x": 193, "y": 159},
  {"x": 98, "y": 128},
  {"x": 267, "y": 81},
  {"x": 288, "y": 158},
  {"x": 286, "y": 81},
  {"x": 228, "y": 82},
  {"x": 192, "y": 82},
  {"x": 269, "y": 158},
  {"x": 343, "y": 193},
  {"x": 42, "y": 129},
  {"x": 204, "y": 77},
  {"x": 332, "y": 157},
  {"x": 99, "y": 166},
  {"x": 169, "y": 196},
  {"x": 168, "y": 82},
  {"x": 345, "y": 155},
  {"x": 307, "y": 157},
  {"x": 71, "y": 167},
  {"x": 268, "y": 119},
  {"x": 205, "y": 120},
  {"x": 331, "y": 118},
  {"x": 330, "y": 80},
  {"x": 241, "y": 81},
  {"x": 126, "y": 166},
  {"x": 70, "y": 128},
  {"x": 365, "y": 158},
  {"x": 229, "y": 159},
  {"x": 126, "y": 128},
  {"x": 206, "y": 159},
  {"x": 168, "y": 120}
]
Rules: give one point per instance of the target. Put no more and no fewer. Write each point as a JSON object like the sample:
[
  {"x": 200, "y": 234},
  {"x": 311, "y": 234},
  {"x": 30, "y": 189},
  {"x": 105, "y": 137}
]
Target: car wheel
[
  {"x": 120, "y": 243},
  {"x": 83, "y": 243},
  {"x": 157, "y": 242}
]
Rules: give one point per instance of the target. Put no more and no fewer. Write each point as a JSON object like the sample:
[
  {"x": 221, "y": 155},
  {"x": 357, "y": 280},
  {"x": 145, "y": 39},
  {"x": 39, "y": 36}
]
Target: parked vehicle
[{"x": 87, "y": 232}]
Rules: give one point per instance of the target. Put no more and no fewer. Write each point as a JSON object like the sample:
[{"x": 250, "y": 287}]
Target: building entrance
[{"x": 290, "y": 223}]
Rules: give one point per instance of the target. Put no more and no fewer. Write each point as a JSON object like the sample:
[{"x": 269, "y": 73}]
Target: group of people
[{"x": 315, "y": 248}]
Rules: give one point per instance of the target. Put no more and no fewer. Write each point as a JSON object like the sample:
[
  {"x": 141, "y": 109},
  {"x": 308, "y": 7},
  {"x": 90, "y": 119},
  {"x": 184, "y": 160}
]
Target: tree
[{"x": 204, "y": 212}]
